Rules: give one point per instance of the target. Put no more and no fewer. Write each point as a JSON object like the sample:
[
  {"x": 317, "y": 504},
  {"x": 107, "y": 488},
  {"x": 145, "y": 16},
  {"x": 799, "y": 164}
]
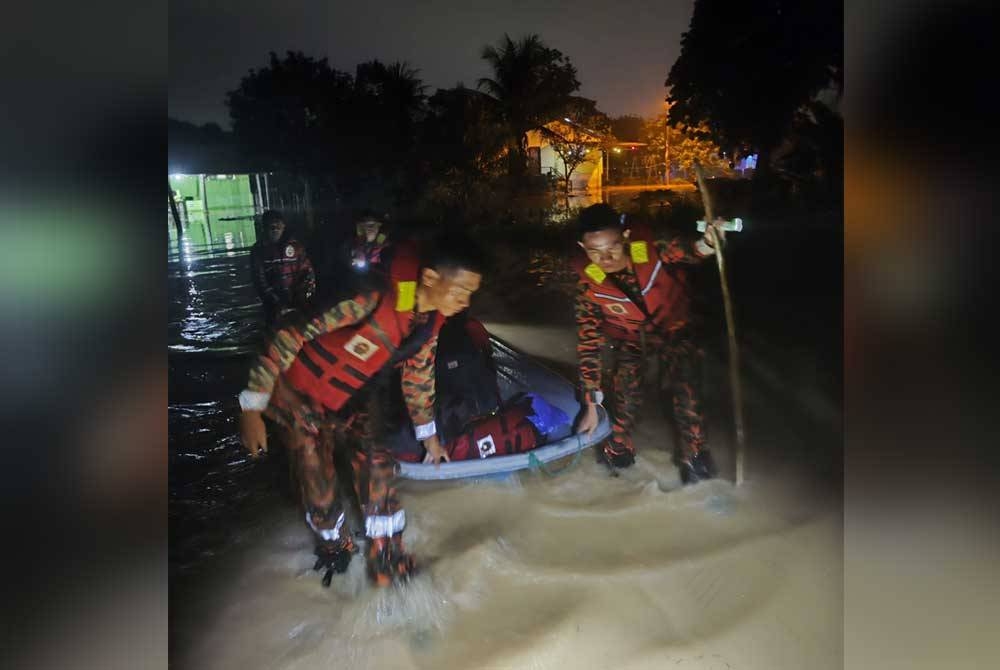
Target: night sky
[{"x": 622, "y": 49}]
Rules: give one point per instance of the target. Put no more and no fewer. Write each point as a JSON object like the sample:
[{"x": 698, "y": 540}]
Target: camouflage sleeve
[
  {"x": 285, "y": 345},
  {"x": 678, "y": 250},
  {"x": 590, "y": 340},
  {"x": 418, "y": 388}
]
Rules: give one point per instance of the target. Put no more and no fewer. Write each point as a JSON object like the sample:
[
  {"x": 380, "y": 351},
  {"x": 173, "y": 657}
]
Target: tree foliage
[
  {"x": 747, "y": 66},
  {"x": 290, "y": 113},
  {"x": 463, "y": 133},
  {"x": 301, "y": 116},
  {"x": 577, "y": 135},
  {"x": 687, "y": 145},
  {"x": 531, "y": 85},
  {"x": 628, "y": 128}
]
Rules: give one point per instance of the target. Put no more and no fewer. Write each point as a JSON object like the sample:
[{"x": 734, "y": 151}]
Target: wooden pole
[
  {"x": 734, "y": 352},
  {"x": 666, "y": 149}
]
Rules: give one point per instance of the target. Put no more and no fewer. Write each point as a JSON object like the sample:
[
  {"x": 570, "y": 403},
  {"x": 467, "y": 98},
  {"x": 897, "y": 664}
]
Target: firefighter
[
  {"x": 633, "y": 295},
  {"x": 370, "y": 240},
  {"x": 282, "y": 273},
  {"x": 318, "y": 381}
]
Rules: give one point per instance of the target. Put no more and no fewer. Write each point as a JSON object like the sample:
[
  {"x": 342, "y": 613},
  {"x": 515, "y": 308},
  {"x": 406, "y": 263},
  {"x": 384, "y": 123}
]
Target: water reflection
[{"x": 213, "y": 307}]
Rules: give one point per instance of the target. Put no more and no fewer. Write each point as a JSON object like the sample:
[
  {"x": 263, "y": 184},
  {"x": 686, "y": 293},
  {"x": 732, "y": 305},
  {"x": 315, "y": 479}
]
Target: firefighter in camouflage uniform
[
  {"x": 320, "y": 383},
  {"x": 633, "y": 295},
  {"x": 282, "y": 272}
]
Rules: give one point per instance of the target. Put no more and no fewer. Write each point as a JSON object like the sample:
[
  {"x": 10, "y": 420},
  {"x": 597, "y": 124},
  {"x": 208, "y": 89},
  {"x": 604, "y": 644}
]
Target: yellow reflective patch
[
  {"x": 595, "y": 273},
  {"x": 640, "y": 254},
  {"x": 380, "y": 239},
  {"x": 406, "y": 295}
]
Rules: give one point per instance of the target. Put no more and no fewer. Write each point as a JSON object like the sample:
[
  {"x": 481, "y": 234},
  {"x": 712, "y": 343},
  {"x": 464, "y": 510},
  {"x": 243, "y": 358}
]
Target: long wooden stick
[{"x": 734, "y": 352}]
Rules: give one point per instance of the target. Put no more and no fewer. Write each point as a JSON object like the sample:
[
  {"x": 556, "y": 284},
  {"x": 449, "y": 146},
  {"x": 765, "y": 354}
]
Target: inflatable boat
[{"x": 517, "y": 374}]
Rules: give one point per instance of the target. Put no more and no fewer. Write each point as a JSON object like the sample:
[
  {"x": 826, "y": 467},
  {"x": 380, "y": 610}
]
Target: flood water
[{"x": 578, "y": 570}]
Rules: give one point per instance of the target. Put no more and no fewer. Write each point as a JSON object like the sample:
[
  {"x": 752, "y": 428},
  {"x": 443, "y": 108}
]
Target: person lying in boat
[
  {"x": 472, "y": 418},
  {"x": 314, "y": 382},
  {"x": 633, "y": 293}
]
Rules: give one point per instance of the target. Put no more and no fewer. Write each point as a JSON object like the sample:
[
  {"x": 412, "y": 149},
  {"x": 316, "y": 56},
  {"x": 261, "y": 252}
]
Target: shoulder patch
[
  {"x": 595, "y": 273},
  {"x": 406, "y": 295},
  {"x": 639, "y": 252}
]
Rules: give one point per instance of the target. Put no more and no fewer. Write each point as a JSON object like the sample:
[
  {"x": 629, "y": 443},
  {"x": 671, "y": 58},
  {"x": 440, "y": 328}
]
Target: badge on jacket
[
  {"x": 486, "y": 446},
  {"x": 361, "y": 347},
  {"x": 616, "y": 308},
  {"x": 289, "y": 251}
]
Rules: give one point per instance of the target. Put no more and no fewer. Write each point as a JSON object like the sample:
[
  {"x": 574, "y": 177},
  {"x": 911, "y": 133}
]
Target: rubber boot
[
  {"x": 700, "y": 466},
  {"x": 334, "y": 556}
]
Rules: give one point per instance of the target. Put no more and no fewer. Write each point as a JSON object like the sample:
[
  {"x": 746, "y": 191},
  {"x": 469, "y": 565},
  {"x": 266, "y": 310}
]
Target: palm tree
[
  {"x": 531, "y": 85},
  {"x": 389, "y": 100}
]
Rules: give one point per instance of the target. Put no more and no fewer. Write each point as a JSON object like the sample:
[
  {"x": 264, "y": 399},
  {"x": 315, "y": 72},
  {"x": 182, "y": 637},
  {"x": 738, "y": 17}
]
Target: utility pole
[{"x": 666, "y": 147}]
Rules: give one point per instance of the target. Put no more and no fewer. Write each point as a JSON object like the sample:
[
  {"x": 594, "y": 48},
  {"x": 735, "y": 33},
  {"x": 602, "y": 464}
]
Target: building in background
[{"x": 548, "y": 145}]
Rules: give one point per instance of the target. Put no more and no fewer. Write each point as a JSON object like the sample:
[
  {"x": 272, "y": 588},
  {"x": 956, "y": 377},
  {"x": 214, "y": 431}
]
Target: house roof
[{"x": 563, "y": 127}]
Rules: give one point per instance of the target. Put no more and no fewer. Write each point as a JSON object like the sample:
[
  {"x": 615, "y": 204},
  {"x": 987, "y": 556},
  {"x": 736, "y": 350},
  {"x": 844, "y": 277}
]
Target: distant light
[
  {"x": 178, "y": 176},
  {"x": 618, "y": 150},
  {"x": 567, "y": 120}
]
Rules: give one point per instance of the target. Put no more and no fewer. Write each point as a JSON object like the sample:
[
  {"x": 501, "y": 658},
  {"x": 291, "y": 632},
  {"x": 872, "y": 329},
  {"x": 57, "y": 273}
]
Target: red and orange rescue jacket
[{"x": 333, "y": 367}]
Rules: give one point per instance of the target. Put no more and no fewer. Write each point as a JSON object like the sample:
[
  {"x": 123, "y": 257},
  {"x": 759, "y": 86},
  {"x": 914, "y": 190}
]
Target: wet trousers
[
  {"x": 340, "y": 460},
  {"x": 680, "y": 362}
]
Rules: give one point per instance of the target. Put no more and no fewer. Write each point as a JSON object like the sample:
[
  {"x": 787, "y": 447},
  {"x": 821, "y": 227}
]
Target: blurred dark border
[
  {"x": 84, "y": 339},
  {"x": 921, "y": 515}
]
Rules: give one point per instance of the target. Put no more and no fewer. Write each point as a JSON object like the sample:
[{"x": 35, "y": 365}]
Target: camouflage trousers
[
  {"x": 340, "y": 462},
  {"x": 680, "y": 362}
]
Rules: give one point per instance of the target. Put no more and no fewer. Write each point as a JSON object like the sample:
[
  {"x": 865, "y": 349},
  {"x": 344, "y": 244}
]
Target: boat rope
[{"x": 538, "y": 466}]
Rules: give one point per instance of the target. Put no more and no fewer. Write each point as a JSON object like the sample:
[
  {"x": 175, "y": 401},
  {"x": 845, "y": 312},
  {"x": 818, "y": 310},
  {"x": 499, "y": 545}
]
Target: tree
[
  {"x": 687, "y": 145},
  {"x": 286, "y": 114},
  {"x": 628, "y": 128},
  {"x": 815, "y": 148},
  {"x": 289, "y": 115},
  {"x": 390, "y": 101},
  {"x": 747, "y": 66},
  {"x": 462, "y": 132},
  {"x": 572, "y": 147},
  {"x": 574, "y": 138},
  {"x": 531, "y": 85}
]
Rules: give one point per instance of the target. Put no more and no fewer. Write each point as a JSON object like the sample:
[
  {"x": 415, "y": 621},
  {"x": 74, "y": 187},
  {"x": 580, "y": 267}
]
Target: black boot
[
  {"x": 616, "y": 461},
  {"x": 700, "y": 466},
  {"x": 334, "y": 556}
]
